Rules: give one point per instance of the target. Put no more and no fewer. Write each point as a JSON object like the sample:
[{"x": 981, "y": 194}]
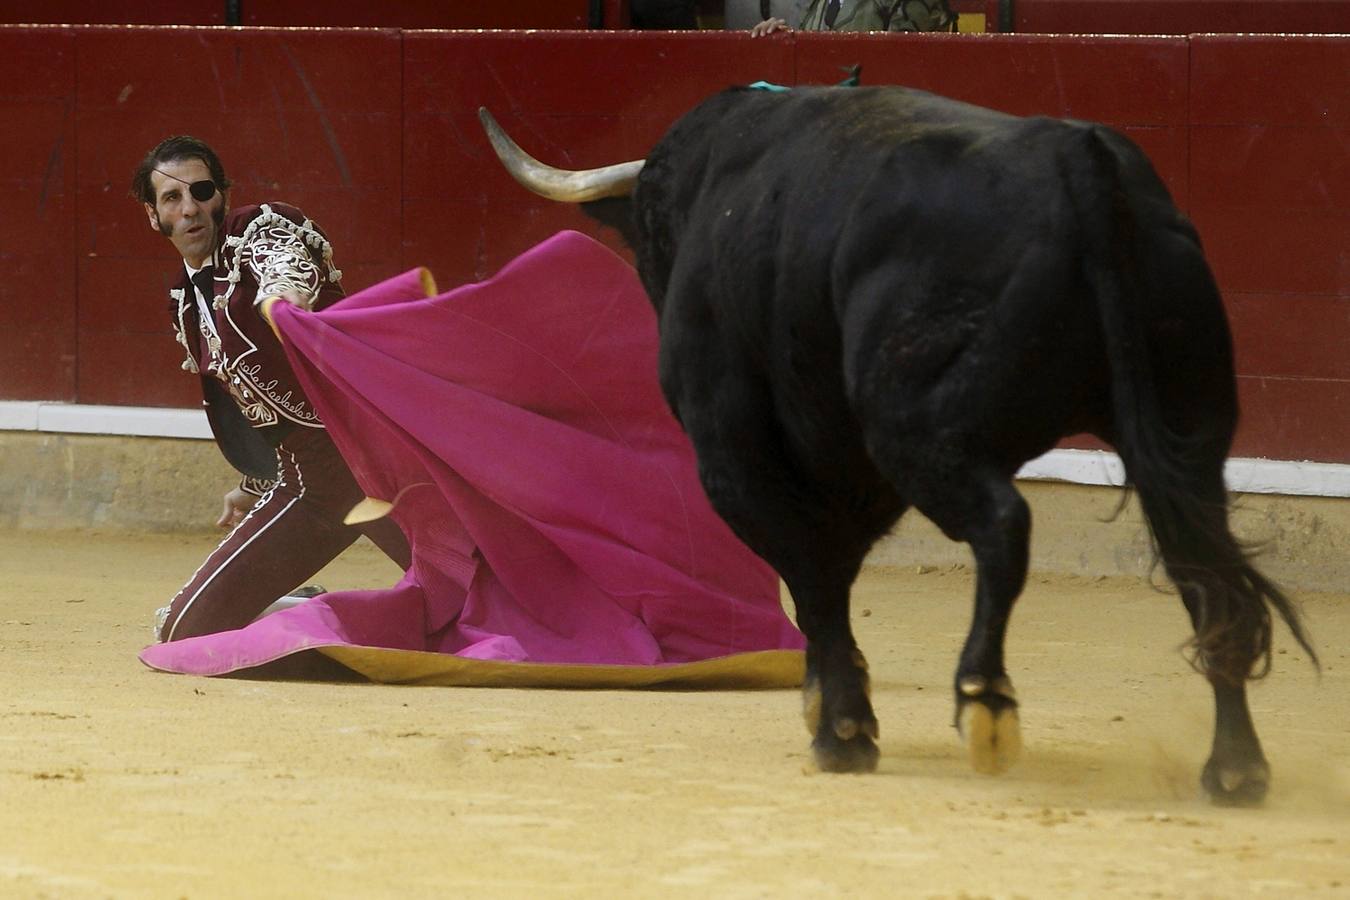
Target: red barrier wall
[
  {"x": 1180, "y": 16},
  {"x": 374, "y": 134},
  {"x": 420, "y": 13},
  {"x": 37, "y": 214},
  {"x": 1270, "y": 193},
  {"x": 315, "y": 13},
  {"x": 115, "y": 12},
  {"x": 586, "y": 99}
]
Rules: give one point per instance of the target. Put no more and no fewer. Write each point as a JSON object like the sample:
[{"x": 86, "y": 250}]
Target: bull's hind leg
[
  {"x": 836, "y": 697},
  {"x": 1236, "y": 773},
  {"x": 816, "y": 540},
  {"x": 1225, "y": 607},
  {"x": 987, "y": 512},
  {"x": 1229, "y": 606},
  {"x": 818, "y": 556}
]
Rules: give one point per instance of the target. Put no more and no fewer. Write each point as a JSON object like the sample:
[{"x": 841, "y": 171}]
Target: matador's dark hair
[{"x": 180, "y": 146}]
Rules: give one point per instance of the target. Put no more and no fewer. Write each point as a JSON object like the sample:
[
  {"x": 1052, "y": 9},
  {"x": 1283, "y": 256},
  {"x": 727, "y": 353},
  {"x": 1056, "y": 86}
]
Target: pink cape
[{"x": 558, "y": 530}]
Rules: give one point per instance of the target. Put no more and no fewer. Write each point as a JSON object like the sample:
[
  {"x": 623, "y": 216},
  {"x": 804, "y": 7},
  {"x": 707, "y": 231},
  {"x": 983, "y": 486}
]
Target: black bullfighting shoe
[{"x": 294, "y": 598}]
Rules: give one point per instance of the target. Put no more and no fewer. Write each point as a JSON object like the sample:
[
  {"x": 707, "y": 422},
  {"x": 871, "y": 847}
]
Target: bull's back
[
  {"x": 894, "y": 235},
  {"x": 786, "y": 203},
  {"x": 817, "y": 182}
]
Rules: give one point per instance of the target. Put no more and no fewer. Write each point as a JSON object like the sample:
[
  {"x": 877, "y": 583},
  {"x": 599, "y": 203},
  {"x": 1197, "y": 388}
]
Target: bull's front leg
[{"x": 835, "y": 696}]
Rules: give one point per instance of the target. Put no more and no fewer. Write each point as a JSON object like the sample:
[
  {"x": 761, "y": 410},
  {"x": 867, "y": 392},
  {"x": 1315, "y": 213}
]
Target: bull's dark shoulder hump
[
  {"x": 800, "y": 164},
  {"x": 741, "y": 122},
  {"x": 741, "y": 142}
]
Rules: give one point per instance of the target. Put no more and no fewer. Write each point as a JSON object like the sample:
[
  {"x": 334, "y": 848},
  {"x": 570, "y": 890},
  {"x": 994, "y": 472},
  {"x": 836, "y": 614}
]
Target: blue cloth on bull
[{"x": 853, "y": 80}]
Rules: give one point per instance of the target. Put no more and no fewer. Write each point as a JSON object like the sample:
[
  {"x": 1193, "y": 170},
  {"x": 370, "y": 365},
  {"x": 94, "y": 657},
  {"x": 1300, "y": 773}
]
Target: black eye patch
[{"x": 202, "y": 191}]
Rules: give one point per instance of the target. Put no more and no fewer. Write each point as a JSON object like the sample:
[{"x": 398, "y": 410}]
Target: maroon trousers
[{"x": 292, "y": 532}]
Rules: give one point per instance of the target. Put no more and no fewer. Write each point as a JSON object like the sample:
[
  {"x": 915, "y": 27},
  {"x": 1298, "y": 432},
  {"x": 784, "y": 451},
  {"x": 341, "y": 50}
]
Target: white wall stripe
[
  {"x": 16, "y": 415},
  {"x": 1257, "y": 476},
  {"x": 75, "y": 418},
  {"x": 1252, "y": 476}
]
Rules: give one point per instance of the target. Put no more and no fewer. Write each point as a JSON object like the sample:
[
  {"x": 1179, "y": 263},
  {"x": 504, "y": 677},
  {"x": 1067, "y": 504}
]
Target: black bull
[{"x": 872, "y": 299}]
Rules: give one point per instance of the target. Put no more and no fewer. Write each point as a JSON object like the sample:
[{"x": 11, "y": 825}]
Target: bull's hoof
[
  {"x": 994, "y": 739},
  {"x": 1236, "y": 784},
  {"x": 986, "y": 717},
  {"x": 849, "y": 747},
  {"x": 811, "y": 704}
]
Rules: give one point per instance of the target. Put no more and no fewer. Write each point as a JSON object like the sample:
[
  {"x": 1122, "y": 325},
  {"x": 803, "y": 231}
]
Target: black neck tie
[
  {"x": 831, "y": 13},
  {"x": 205, "y": 280}
]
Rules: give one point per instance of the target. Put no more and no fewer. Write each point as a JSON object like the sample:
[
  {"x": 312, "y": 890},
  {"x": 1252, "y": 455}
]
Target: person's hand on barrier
[
  {"x": 237, "y": 504},
  {"x": 769, "y": 26}
]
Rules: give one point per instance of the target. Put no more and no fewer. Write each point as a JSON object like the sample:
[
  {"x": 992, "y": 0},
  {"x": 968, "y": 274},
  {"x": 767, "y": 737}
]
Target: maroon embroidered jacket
[{"x": 264, "y": 250}]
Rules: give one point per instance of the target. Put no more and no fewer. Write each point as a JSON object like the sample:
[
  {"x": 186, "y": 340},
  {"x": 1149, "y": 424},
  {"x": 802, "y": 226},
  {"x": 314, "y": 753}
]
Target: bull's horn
[{"x": 559, "y": 184}]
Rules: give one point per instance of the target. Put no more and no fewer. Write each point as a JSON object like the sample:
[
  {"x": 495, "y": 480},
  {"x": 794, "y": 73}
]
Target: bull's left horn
[{"x": 559, "y": 184}]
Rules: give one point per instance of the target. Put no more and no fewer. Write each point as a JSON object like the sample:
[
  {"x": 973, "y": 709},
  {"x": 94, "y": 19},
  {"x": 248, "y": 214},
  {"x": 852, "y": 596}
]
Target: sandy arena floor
[{"x": 116, "y": 781}]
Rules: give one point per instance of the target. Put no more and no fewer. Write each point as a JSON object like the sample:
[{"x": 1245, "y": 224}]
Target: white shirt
[{"x": 205, "y": 318}]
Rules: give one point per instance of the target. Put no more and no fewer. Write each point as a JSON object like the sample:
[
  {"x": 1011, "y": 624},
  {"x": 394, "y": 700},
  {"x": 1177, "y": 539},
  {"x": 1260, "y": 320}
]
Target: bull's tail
[{"x": 1175, "y": 465}]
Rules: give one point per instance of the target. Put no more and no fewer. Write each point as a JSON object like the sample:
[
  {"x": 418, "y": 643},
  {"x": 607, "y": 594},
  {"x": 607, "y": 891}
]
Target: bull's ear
[
  {"x": 565, "y": 185},
  {"x": 617, "y": 213}
]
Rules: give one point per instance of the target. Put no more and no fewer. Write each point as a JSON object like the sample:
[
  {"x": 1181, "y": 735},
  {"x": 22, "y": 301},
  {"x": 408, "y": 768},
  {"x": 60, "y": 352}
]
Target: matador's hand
[
  {"x": 237, "y": 504},
  {"x": 294, "y": 298}
]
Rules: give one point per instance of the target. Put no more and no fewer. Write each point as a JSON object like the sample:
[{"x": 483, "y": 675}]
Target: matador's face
[{"x": 191, "y": 224}]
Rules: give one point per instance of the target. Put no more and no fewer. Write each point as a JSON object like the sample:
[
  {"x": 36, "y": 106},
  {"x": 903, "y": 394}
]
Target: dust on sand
[{"x": 121, "y": 782}]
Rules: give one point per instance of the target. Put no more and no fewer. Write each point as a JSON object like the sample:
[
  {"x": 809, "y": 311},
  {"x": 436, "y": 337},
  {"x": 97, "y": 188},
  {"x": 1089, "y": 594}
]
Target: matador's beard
[{"x": 218, "y": 217}]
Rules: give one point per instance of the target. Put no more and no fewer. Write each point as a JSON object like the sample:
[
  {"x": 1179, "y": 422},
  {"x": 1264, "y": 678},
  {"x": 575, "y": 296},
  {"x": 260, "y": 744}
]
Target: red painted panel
[
  {"x": 135, "y": 369},
  {"x": 513, "y": 229},
  {"x": 583, "y": 73},
  {"x": 446, "y": 236},
  {"x": 1120, "y": 81},
  {"x": 1274, "y": 251},
  {"x": 1291, "y": 335},
  {"x": 420, "y": 13},
  {"x": 1168, "y": 148},
  {"x": 1270, "y": 191},
  {"x": 320, "y": 13},
  {"x": 128, "y": 354},
  {"x": 1272, "y": 166},
  {"x": 463, "y": 241},
  {"x": 115, "y": 12},
  {"x": 1286, "y": 79},
  {"x": 447, "y": 155},
  {"x": 37, "y": 200},
  {"x": 1178, "y": 17},
  {"x": 125, "y": 295},
  {"x": 359, "y": 276},
  {"x": 37, "y": 214},
  {"x": 37, "y": 328},
  {"x": 1294, "y": 419},
  {"x": 560, "y": 98}
]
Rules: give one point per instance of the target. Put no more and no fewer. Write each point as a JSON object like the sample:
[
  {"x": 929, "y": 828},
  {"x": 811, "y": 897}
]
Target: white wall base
[
  {"x": 1253, "y": 476},
  {"x": 74, "y": 418}
]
